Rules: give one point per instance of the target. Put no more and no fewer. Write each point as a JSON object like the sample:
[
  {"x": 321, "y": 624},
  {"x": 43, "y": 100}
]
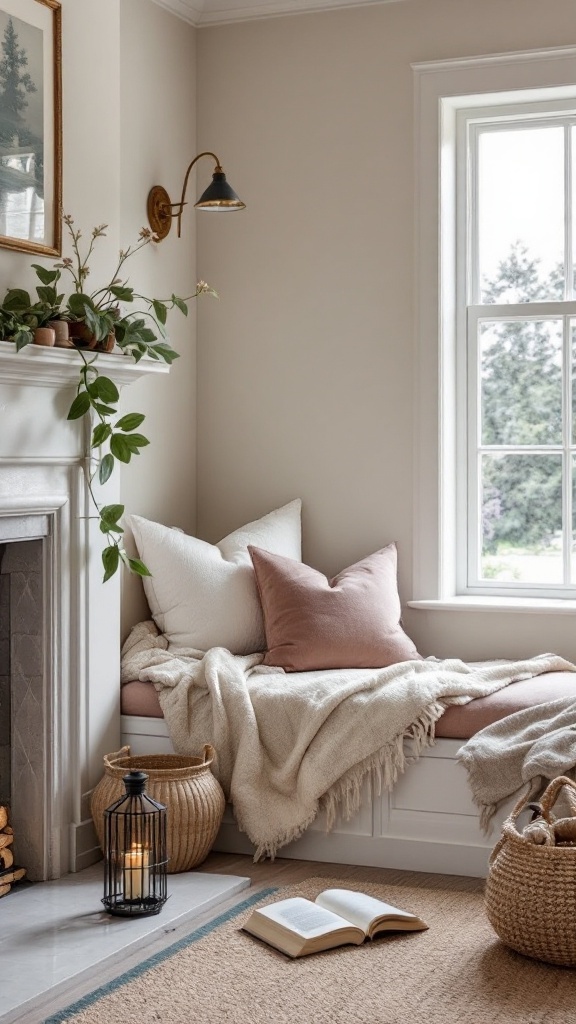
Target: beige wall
[
  {"x": 158, "y": 127},
  {"x": 306, "y": 366}
]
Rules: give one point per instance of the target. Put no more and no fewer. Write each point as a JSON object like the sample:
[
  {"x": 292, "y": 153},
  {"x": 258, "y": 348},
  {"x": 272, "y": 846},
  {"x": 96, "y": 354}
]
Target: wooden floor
[{"x": 290, "y": 872}]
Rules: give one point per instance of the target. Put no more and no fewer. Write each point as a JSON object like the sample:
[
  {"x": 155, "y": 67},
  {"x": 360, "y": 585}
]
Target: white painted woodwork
[
  {"x": 42, "y": 464},
  {"x": 213, "y": 12}
]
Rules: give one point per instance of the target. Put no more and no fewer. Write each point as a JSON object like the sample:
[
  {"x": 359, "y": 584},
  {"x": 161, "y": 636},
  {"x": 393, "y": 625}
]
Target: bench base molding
[{"x": 427, "y": 823}]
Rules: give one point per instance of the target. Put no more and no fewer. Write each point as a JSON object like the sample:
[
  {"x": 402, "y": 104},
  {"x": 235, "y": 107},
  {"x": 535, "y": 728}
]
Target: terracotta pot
[
  {"x": 44, "y": 336},
  {"x": 80, "y": 335},
  {"x": 60, "y": 328},
  {"x": 108, "y": 344}
]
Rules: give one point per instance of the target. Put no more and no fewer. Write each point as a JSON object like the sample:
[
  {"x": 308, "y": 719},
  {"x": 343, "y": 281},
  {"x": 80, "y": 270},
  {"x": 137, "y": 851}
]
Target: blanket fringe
[{"x": 382, "y": 770}]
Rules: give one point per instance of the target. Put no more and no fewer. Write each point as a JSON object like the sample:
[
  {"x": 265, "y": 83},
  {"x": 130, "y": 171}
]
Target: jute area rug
[{"x": 457, "y": 972}]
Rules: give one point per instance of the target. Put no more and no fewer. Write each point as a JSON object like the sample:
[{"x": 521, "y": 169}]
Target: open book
[{"x": 298, "y": 926}]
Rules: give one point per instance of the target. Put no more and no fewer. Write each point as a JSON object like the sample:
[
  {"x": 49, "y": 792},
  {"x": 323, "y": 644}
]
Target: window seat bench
[{"x": 427, "y": 823}]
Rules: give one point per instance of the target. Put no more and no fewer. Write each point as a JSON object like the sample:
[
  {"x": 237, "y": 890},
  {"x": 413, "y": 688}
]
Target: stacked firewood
[{"x": 8, "y": 873}]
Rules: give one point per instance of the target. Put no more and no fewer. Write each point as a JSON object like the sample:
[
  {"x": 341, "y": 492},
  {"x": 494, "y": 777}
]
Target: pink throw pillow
[{"x": 351, "y": 621}]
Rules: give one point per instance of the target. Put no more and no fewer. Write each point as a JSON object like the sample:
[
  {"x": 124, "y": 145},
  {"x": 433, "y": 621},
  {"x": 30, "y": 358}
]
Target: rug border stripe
[{"x": 157, "y": 958}]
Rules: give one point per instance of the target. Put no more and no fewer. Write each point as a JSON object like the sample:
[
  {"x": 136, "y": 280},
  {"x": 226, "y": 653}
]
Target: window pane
[
  {"x": 521, "y": 382},
  {"x": 573, "y": 347},
  {"x": 573, "y": 141},
  {"x": 573, "y": 547},
  {"x": 522, "y": 518},
  {"x": 521, "y": 215}
]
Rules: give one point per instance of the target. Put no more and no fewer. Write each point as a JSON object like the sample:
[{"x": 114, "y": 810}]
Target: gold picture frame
[{"x": 31, "y": 126}]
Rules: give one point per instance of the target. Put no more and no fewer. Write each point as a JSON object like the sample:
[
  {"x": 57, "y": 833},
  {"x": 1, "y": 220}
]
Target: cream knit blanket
[
  {"x": 531, "y": 746},
  {"x": 291, "y": 744}
]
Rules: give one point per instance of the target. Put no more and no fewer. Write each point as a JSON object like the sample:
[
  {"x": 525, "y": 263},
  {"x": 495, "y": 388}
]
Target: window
[
  {"x": 496, "y": 299},
  {"x": 516, "y": 510}
]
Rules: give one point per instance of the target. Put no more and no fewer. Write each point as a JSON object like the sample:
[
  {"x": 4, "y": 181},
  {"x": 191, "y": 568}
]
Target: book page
[
  {"x": 303, "y": 917},
  {"x": 359, "y": 908}
]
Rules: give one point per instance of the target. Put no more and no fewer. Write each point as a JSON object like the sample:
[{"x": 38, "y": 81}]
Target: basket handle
[
  {"x": 208, "y": 753},
  {"x": 552, "y": 792},
  {"x": 110, "y": 759}
]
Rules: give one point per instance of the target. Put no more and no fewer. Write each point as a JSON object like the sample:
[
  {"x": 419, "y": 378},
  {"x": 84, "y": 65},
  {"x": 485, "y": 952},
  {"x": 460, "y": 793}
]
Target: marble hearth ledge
[{"x": 56, "y": 935}]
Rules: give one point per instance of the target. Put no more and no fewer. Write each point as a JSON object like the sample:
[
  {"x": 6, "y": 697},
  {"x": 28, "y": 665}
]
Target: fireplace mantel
[
  {"x": 43, "y": 459},
  {"x": 54, "y": 367}
]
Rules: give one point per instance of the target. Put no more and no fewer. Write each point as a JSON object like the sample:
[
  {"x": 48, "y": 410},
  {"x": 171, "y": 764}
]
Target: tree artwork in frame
[{"x": 30, "y": 126}]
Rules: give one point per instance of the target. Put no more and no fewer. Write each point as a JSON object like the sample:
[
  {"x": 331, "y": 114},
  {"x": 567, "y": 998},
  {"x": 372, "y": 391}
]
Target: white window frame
[{"x": 442, "y": 89}]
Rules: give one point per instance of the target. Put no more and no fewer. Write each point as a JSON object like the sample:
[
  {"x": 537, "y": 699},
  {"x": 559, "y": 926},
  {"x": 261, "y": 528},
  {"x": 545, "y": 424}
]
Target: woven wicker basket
[
  {"x": 193, "y": 797},
  {"x": 531, "y": 890}
]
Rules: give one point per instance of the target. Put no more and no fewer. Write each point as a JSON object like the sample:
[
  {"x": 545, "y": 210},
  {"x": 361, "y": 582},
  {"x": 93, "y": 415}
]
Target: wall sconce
[{"x": 218, "y": 196}]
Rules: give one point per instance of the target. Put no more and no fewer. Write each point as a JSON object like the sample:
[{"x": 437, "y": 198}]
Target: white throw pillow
[{"x": 204, "y": 595}]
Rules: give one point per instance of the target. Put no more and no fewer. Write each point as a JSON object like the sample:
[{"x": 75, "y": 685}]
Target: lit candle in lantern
[{"x": 136, "y": 873}]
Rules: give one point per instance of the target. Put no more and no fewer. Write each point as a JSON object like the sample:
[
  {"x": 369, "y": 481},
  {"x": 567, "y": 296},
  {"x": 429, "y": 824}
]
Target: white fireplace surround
[{"x": 43, "y": 496}]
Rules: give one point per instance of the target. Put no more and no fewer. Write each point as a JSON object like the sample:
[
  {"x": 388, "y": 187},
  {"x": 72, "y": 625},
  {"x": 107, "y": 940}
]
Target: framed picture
[{"x": 31, "y": 126}]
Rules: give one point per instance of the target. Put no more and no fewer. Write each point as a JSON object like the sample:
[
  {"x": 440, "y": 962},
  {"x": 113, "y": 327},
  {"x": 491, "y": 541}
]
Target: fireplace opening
[
  {"x": 5, "y": 717},
  {"x": 22, "y": 700}
]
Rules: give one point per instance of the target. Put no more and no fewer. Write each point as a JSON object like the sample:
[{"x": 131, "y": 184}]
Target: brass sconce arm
[{"x": 219, "y": 196}]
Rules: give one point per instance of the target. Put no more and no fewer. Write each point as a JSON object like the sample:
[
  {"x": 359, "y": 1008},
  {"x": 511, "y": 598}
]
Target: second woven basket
[
  {"x": 531, "y": 890},
  {"x": 193, "y": 797}
]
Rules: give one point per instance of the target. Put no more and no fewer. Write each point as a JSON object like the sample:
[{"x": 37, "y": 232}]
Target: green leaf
[
  {"x": 143, "y": 335},
  {"x": 136, "y": 440},
  {"x": 134, "y": 326},
  {"x": 111, "y": 528},
  {"x": 120, "y": 448},
  {"x": 105, "y": 468},
  {"x": 160, "y": 310},
  {"x": 22, "y": 338},
  {"x": 123, "y": 293},
  {"x": 104, "y": 410},
  {"x": 16, "y": 300},
  {"x": 44, "y": 275},
  {"x": 180, "y": 304},
  {"x": 78, "y": 303},
  {"x": 111, "y": 513},
  {"x": 104, "y": 388},
  {"x": 80, "y": 406},
  {"x": 47, "y": 295},
  {"x": 138, "y": 567},
  {"x": 165, "y": 352},
  {"x": 110, "y": 560},
  {"x": 130, "y": 421},
  {"x": 100, "y": 434}
]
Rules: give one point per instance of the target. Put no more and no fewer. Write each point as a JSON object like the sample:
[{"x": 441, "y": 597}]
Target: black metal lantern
[{"x": 135, "y": 856}]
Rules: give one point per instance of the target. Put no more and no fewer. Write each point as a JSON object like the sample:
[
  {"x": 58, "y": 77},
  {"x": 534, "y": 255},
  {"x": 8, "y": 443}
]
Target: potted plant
[
  {"x": 99, "y": 321},
  {"x": 26, "y": 321}
]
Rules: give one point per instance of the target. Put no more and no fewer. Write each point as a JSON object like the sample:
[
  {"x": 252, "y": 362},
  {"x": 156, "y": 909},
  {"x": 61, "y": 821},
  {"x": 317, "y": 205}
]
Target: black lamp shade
[
  {"x": 219, "y": 195},
  {"x": 135, "y": 856}
]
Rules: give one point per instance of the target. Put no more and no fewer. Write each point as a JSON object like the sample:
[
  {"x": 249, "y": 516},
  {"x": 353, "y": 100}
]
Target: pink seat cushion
[
  {"x": 464, "y": 720},
  {"x": 458, "y": 722},
  {"x": 138, "y": 698}
]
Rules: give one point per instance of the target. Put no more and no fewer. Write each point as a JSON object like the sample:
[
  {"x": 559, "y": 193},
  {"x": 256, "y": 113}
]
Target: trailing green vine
[{"x": 104, "y": 314}]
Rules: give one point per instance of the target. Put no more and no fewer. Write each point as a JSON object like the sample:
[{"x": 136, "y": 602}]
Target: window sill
[{"x": 544, "y": 606}]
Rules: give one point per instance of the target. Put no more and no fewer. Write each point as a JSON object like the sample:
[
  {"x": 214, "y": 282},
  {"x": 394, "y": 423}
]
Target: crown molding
[
  {"x": 218, "y": 12},
  {"x": 189, "y": 10}
]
